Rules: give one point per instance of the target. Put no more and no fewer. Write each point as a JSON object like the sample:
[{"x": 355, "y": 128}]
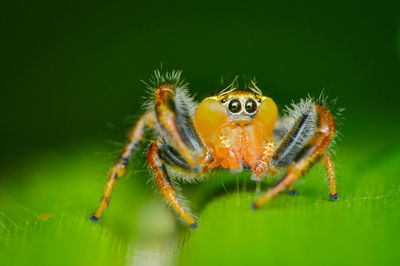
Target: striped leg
[
  {"x": 173, "y": 114},
  {"x": 119, "y": 167},
  {"x": 168, "y": 191},
  {"x": 310, "y": 153}
]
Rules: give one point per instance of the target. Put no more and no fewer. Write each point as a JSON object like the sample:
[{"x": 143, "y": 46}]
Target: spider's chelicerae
[{"x": 236, "y": 129}]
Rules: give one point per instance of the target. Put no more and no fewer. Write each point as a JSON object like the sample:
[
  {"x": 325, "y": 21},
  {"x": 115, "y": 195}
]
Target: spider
[{"x": 236, "y": 129}]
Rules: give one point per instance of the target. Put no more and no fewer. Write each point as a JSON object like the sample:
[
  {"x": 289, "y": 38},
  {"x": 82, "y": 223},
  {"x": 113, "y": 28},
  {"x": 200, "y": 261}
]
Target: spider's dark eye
[
  {"x": 250, "y": 106},
  {"x": 223, "y": 100},
  {"x": 235, "y": 106}
]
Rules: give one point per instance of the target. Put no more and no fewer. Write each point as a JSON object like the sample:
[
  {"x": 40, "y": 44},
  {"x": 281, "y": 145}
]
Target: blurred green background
[{"x": 71, "y": 88}]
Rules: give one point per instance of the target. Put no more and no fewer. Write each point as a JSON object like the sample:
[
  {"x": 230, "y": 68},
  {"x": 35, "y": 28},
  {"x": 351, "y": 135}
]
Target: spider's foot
[
  {"x": 334, "y": 197},
  {"x": 255, "y": 178},
  {"x": 194, "y": 225},
  {"x": 237, "y": 170},
  {"x": 292, "y": 192},
  {"x": 253, "y": 206},
  {"x": 94, "y": 218},
  {"x": 261, "y": 201}
]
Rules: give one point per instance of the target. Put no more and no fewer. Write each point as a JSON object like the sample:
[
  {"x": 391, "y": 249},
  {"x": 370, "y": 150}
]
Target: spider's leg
[
  {"x": 173, "y": 115},
  {"x": 327, "y": 161},
  {"x": 292, "y": 190},
  {"x": 172, "y": 157},
  {"x": 118, "y": 169},
  {"x": 167, "y": 189},
  {"x": 312, "y": 150}
]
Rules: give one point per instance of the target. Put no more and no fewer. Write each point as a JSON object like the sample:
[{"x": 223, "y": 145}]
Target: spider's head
[
  {"x": 238, "y": 108},
  {"x": 241, "y": 105}
]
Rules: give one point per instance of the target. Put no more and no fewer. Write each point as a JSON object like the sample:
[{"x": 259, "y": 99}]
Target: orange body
[
  {"x": 236, "y": 138},
  {"x": 235, "y": 130}
]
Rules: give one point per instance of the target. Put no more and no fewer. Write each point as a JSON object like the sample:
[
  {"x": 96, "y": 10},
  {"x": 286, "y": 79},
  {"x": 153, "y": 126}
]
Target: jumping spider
[{"x": 234, "y": 130}]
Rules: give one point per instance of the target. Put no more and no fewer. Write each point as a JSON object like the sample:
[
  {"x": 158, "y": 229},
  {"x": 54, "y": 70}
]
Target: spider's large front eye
[
  {"x": 235, "y": 106},
  {"x": 250, "y": 106}
]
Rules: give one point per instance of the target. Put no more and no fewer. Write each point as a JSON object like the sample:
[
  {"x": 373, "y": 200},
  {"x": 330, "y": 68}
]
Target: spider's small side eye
[
  {"x": 223, "y": 100},
  {"x": 250, "y": 106},
  {"x": 235, "y": 106},
  {"x": 258, "y": 100}
]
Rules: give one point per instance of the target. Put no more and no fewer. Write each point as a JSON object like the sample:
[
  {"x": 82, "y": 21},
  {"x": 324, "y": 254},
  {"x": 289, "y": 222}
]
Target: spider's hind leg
[{"x": 301, "y": 147}]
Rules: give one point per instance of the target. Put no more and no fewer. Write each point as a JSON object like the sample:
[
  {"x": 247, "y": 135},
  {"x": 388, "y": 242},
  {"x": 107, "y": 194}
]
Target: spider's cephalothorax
[{"x": 234, "y": 130}]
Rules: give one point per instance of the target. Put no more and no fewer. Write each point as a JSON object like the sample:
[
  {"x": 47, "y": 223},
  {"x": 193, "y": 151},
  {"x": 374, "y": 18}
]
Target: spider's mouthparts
[{"x": 243, "y": 120}]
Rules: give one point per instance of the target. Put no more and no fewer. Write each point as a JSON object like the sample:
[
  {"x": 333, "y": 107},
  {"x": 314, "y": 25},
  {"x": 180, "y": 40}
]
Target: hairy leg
[
  {"x": 118, "y": 169},
  {"x": 173, "y": 115},
  {"x": 308, "y": 155},
  {"x": 327, "y": 161},
  {"x": 172, "y": 120},
  {"x": 167, "y": 189}
]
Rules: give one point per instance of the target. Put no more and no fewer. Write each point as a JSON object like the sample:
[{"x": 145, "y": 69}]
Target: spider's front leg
[
  {"x": 118, "y": 169},
  {"x": 300, "y": 160},
  {"x": 158, "y": 166},
  {"x": 179, "y": 145},
  {"x": 172, "y": 112}
]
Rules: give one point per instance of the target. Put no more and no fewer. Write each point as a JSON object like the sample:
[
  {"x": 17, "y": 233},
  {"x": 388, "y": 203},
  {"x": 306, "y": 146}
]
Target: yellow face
[{"x": 237, "y": 108}]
